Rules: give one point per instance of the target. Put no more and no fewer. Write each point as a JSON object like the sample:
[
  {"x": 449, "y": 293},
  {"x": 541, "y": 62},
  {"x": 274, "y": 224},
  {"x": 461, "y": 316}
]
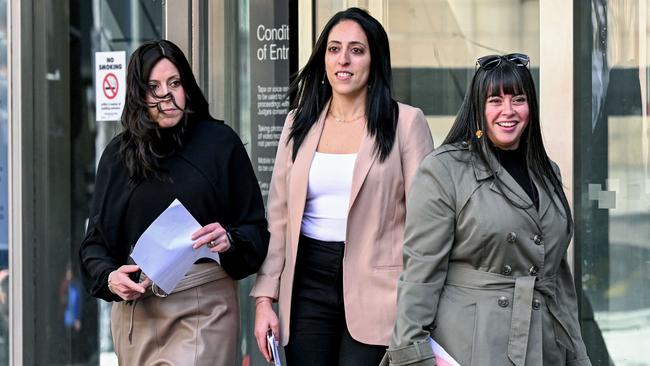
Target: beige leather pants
[{"x": 195, "y": 327}]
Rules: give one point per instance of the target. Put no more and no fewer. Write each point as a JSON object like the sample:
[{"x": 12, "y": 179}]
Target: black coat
[{"x": 213, "y": 178}]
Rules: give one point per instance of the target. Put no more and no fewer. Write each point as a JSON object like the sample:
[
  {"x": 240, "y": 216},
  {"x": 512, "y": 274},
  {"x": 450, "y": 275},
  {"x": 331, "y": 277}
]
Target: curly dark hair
[{"x": 143, "y": 142}]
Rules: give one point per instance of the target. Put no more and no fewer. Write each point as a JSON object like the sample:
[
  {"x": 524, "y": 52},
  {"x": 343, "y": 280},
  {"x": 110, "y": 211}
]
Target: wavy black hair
[
  {"x": 509, "y": 78},
  {"x": 143, "y": 142},
  {"x": 310, "y": 95}
]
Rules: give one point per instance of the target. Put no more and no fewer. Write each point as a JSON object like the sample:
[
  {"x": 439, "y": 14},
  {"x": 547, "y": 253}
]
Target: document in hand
[
  {"x": 442, "y": 357},
  {"x": 273, "y": 348},
  {"x": 164, "y": 251}
]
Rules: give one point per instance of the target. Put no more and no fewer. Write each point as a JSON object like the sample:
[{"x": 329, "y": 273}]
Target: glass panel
[
  {"x": 435, "y": 44},
  {"x": 4, "y": 224},
  {"x": 72, "y": 328},
  {"x": 613, "y": 181},
  {"x": 247, "y": 79},
  {"x": 118, "y": 26}
]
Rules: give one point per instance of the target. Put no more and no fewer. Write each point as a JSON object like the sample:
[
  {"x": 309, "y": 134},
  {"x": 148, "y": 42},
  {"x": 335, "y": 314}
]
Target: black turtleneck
[{"x": 514, "y": 161}]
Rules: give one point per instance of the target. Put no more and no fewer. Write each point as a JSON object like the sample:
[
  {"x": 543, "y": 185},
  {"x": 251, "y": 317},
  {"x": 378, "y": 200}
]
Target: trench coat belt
[{"x": 524, "y": 288}]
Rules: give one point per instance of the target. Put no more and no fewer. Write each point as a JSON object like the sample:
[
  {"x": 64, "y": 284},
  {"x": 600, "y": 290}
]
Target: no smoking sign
[
  {"x": 110, "y": 78},
  {"x": 110, "y": 85}
]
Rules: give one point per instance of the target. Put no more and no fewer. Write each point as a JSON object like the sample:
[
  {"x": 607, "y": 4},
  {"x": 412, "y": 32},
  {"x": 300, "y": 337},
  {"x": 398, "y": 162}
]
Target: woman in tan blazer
[{"x": 336, "y": 208}]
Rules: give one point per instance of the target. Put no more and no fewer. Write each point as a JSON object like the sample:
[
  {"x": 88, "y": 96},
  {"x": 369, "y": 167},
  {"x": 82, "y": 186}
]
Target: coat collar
[{"x": 510, "y": 187}]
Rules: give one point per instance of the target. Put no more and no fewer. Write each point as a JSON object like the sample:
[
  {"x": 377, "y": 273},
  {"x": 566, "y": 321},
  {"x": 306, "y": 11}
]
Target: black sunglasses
[{"x": 489, "y": 62}]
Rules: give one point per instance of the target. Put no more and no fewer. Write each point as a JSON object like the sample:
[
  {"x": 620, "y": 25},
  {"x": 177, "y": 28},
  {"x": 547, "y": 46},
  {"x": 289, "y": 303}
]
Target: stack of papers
[{"x": 164, "y": 251}]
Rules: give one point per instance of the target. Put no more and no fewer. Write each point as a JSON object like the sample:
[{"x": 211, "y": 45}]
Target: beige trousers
[{"x": 195, "y": 327}]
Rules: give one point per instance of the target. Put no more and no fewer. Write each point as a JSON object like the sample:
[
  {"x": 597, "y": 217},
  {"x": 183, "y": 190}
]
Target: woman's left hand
[{"x": 214, "y": 236}]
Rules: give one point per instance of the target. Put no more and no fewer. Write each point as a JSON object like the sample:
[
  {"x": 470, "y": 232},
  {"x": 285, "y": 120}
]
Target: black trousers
[{"x": 318, "y": 333}]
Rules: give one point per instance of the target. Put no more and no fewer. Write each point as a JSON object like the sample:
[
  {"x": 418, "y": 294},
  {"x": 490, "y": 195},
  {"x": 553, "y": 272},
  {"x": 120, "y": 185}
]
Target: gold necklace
[{"x": 341, "y": 120}]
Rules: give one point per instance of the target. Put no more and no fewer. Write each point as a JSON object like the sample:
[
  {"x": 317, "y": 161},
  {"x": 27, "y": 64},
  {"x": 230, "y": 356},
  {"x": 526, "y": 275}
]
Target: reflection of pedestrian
[
  {"x": 4, "y": 316},
  {"x": 171, "y": 148},
  {"x": 70, "y": 297}
]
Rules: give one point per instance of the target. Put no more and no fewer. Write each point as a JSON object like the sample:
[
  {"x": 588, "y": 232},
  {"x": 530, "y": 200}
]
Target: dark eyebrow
[
  {"x": 175, "y": 76},
  {"x": 354, "y": 43}
]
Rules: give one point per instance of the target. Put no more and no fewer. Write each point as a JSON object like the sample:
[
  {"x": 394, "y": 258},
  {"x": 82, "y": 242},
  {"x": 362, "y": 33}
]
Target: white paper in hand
[
  {"x": 442, "y": 357},
  {"x": 164, "y": 251}
]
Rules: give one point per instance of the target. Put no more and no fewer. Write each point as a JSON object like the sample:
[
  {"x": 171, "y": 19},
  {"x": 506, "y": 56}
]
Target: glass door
[
  {"x": 612, "y": 201},
  {"x": 244, "y": 59}
]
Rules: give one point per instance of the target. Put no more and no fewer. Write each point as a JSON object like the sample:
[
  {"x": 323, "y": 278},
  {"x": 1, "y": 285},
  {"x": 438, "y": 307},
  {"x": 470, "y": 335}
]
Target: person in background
[
  {"x": 346, "y": 158},
  {"x": 171, "y": 148},
  {"x": 487, "y": 230}
]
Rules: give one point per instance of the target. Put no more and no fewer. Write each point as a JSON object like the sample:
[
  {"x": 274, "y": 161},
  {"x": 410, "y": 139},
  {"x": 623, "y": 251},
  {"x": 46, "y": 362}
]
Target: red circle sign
[{"x": 110, "y": 85}]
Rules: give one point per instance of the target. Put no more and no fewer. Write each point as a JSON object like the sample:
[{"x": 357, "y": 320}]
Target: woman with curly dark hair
[{"x": 171, "y": 148}]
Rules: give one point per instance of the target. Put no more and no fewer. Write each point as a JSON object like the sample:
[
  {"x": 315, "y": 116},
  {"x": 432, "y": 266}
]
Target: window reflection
[
  {"x": 614, "y": 200},
  {"x": 4, "y": 223}
]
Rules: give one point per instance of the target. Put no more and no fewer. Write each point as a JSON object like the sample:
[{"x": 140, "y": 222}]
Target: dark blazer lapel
[
  {"x": 300, "y": 173},
  {"x": 365, "y": 159}
]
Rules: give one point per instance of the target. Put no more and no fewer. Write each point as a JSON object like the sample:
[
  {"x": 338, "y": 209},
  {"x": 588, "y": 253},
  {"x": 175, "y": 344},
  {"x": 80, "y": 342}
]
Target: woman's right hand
[
  {"x": 121, "y": 284},
  {"x": 265, "y": 319}
]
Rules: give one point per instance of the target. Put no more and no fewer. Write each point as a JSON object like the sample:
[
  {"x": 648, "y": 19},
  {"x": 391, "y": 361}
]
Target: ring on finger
[{"x": 212, "y": 244}]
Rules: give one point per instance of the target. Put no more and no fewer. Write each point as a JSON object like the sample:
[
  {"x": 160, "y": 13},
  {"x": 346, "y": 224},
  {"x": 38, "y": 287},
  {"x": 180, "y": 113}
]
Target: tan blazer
[{"x": 375, "y": 230}]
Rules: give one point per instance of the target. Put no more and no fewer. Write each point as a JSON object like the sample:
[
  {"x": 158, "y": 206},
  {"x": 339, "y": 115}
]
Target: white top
[{"x": 328, "y": 196}]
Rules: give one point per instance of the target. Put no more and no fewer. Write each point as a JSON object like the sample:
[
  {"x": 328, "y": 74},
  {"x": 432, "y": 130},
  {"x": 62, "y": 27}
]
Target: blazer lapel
[
  {"x": 300, "y": 173},
  {"x": 365, "y": 159}
]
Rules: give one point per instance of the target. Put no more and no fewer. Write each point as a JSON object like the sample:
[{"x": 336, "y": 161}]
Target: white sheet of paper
[
  {"x": 442, "y": 357},
  {"x": 164, "y": 251}
]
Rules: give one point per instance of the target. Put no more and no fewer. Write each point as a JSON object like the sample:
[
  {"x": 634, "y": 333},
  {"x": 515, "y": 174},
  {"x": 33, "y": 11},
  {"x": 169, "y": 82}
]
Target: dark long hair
[
  {"x": 143, "y": 142},
  {"x": 511, "y": 79},
  {"x": 311, "y": 95}
]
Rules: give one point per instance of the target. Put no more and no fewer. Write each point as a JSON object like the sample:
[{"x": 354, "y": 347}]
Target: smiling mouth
[
  {"x": 507, "y": 124},
  {"x": 343, "y": 74}
]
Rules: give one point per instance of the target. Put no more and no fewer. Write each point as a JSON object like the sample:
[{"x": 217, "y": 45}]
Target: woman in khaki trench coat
[{"x": 487, "y": 229}]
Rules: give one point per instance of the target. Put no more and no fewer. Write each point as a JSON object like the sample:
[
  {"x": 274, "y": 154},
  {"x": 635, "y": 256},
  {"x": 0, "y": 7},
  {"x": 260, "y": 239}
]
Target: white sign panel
[{"x": 110, "y": 85}]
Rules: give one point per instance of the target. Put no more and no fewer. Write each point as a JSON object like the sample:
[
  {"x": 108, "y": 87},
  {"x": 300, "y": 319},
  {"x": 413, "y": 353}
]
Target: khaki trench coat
[
  {"x": 372, "y": 261},
  {"x": 487, "y": 280}
]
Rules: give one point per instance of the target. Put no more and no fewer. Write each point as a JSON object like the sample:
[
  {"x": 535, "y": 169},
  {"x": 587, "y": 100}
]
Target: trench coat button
[
  {"x": 533, "y": 271},
  {"x": 464, "y": 144},
  {"x": 511, "y": 237},
  {"x": 503, "y": 302},
  {"x": 537, "y": 304},
  {"x": 537, "y": 239},
  {"x": 506, "y": 270}
]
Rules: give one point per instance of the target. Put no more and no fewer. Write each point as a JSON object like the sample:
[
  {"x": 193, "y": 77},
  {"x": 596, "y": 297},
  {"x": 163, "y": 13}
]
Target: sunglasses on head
[{"x": 491, "y": 61}]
